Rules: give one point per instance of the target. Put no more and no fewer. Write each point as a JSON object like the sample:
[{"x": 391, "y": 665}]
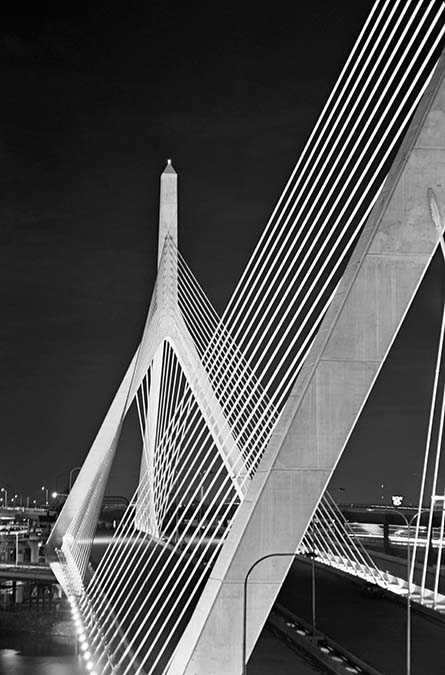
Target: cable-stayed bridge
[{"x": 244, "y": 417}]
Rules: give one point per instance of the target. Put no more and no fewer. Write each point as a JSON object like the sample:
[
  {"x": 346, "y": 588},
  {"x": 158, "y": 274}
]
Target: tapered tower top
[
  {"x": 168, "y": 207},
  {"x": 169, "y": 168}
]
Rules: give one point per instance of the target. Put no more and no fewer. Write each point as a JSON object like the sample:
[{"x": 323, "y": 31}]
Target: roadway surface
[
  {"x": 272, "y": 657},
  {"x": 374, "y": 628}
]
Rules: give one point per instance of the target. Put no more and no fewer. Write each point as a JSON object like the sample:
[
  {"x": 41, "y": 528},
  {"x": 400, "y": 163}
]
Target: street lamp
[
  {"x": 45, "y": 489},
  {"x": 408, "y": 579},
  {"x": 313, "y": 575},
  {"x": 54, "y": 495},
  {"x": 408, "y": 594},
  {"x": 6, "y": 495},
  {"x": 246, "y": 579}
]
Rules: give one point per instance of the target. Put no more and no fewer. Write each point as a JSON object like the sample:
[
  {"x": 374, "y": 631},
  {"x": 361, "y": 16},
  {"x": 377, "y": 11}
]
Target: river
[{"x": 23, "y": 653}]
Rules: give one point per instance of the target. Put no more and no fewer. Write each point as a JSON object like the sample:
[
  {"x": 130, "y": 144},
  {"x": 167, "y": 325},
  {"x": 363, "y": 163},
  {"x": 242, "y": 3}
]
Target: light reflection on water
[{"x": 27, "y": 654}]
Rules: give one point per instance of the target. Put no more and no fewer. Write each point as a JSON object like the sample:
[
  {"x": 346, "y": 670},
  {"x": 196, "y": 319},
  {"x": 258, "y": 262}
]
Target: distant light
[
  {"x": 89, "y": 665},
  {"x": 87, "y": 655},
  {"x": 397, "y": 500},
  {"x": 54, "y": 494}
]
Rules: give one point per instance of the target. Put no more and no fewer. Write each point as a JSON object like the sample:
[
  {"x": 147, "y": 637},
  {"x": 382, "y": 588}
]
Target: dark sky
[{"x": 93, "y": 102}]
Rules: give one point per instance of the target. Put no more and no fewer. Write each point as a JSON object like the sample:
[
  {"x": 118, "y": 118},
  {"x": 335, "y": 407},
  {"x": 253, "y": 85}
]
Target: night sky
[{"x": 93, "y": 102}]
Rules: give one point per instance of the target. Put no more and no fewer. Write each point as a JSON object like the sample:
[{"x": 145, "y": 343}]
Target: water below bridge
[{"x": 23, "y": 653}]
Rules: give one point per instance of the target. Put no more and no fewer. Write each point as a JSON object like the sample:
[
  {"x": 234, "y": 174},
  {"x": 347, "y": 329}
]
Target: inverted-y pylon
[{"x": 165, "y": 324}]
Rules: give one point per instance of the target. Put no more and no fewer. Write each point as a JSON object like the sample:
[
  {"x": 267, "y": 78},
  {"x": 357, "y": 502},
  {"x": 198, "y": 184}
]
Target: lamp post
[
  {"x": 246, "y": 579},
  {"x": 45, "y": 489},
  {"x": 408, "y": 594},
  {"x": 54, "y": 495},
  {"x": 408, "y": 579},
  {"x": 313, "y": 576},
  {"x": 5, "y": 491}
]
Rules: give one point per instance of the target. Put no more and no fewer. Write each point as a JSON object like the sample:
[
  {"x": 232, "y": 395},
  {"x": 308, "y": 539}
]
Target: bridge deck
[{"x": 25, "y": 572}]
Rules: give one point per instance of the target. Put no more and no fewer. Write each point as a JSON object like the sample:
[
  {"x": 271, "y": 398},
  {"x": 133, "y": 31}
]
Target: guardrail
[{"x": 297, "y": 633}]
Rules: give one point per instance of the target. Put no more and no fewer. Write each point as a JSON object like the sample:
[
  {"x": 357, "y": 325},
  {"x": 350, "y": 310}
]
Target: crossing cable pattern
[{"x": 272, "y": 317}]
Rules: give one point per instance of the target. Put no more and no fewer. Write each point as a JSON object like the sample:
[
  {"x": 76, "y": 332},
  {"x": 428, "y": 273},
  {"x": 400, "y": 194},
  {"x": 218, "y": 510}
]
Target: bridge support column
[
  {"x": 386, "y": 544},
  {"x": 34, "y": 546}
]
